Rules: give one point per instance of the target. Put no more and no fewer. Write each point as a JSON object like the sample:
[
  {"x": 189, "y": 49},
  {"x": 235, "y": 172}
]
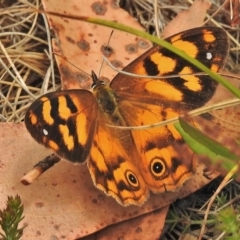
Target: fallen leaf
[
  {"x": 226, "y": 119},
  {"x": 187, "y": 19},
  {"x": 148, "y": 226},
  {"x": 64, "y": 201},
  {"x": 222, "y": 125},
  {"x": 83, "y": 44}
]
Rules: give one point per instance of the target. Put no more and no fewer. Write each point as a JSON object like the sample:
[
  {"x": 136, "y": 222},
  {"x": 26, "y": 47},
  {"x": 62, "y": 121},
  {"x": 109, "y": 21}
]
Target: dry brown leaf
[
  {"x": 225, "y": 122},
  {"x": 83, "y": 43},
  {"x": 222, "y": 125},
  {"x": 187, "y": 19},
  {"x": 64, "y": 201},
  {"x": 148, "y": 227}
]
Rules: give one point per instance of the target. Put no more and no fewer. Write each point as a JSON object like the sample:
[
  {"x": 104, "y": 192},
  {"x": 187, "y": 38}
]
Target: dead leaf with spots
[
  {"x": 63, "y": 202},
  {"x": 83, "y": 44}
]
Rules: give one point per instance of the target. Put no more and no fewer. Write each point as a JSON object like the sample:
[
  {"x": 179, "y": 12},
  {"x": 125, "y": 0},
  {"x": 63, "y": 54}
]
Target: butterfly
[{"x": 128, "y": 164}]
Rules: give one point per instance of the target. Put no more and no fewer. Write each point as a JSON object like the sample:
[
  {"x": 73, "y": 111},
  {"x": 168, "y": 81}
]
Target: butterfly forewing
[
  {"x": 64, "y": 122},
  {"x": 209, "y": 45}
]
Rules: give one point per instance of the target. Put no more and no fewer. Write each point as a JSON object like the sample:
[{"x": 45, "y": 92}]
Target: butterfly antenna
[
  {"x": 94, "y": 79},
  {"x": 107, "y": 48},
  {"x": 71, "y": 64}
]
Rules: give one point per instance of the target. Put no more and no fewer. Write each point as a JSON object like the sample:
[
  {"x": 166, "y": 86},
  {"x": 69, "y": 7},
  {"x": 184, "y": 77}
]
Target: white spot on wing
[
  {"x": 209, "y": 56},
  {"x": 45, "y": 132}
]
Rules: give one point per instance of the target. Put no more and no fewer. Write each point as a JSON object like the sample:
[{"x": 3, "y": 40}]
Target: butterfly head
[{"x": 96, "y": 81}]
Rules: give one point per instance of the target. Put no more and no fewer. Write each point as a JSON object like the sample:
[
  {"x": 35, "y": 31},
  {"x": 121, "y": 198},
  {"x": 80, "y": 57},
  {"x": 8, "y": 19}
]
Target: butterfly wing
[
  {"x": 165, "y": 162},
  {"x": 111, "y": 165},
  {"x": 209, "y": 45},
  {"x": 64, "y": 122}
]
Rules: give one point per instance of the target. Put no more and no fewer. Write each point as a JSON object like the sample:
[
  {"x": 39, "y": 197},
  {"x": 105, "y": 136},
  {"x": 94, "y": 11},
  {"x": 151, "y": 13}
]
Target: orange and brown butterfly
[{"x": 129, "y": 164}]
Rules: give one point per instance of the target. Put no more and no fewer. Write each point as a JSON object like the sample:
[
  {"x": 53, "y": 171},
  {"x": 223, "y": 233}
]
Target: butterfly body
[{"x": 128, "y": 164}]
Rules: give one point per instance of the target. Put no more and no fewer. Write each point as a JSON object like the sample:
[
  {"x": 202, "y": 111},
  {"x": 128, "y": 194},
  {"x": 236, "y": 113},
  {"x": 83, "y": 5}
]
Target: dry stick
[
  {"x": 222, "y": 185},
  {"x": 40, "y": 168}
]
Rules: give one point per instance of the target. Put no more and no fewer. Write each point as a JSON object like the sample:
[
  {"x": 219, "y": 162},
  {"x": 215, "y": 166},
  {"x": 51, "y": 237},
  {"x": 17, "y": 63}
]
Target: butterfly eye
[
  {"x": 132, "y": 179},
  {"x": 157, "y": 167}
]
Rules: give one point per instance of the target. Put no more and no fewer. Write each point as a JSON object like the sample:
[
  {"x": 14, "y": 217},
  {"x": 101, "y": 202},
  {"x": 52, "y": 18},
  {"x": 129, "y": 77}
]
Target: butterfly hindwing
[
  {"x": 162, "y": 166},
  {"x": 113, "y": 168}
]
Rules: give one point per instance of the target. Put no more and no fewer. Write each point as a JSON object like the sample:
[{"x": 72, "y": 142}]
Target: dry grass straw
[{"x": 25, "y": 59}]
